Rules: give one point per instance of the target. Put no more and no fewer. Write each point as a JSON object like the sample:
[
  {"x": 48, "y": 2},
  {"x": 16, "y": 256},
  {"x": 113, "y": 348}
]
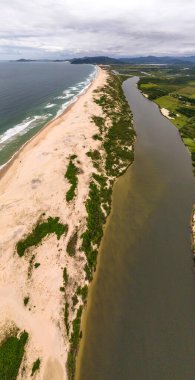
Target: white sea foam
[
  {"x": 73, "y": 88},
  {"x": 50, "y": 105},
  {"x": 21, "y": 128},
  {"x": 66, "y": 92},
  {"x": 60, "y": 97},
  {"x": 81, "y": 88},
  {"x": 65, "y": 106},
  {"x": 30, "y": 122}
]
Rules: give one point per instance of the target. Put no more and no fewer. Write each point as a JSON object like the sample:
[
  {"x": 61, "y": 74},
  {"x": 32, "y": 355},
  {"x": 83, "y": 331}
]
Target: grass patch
[
  {"x": 95, "y": 220},
  {"x": 71, "y": 175},
  {"x": 99, "y": 121},
  {"x": 66, "y": 316},
  {"x": 11, "y": 354},
  {"x": 179, "y": 100},
  {"x": 74, "y": 342},
  {"x": 65, "y": 276},
  {"x": 120, "y": 133},
  {"x": 71, "y": 246},
  {"x": 51, "y": 226},
  {"x": 83, "y": 292},
  {"x": 75, "y": 300},
  {"x": 96, "y": 158},
  {"x": 94, "y": 154},
  {"x": 36, "y": 366}
]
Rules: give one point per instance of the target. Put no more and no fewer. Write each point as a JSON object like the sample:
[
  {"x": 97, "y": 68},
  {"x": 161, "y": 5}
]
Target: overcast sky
[{"x": 68, "y": 28}]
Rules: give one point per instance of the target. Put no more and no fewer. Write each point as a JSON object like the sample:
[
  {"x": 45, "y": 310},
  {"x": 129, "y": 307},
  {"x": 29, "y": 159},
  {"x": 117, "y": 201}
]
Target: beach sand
[
  {"x": 165, "y": 112},
  {"x": 33, "y": 185}
]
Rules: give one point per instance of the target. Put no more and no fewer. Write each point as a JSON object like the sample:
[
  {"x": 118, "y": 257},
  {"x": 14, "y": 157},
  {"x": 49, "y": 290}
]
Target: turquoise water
[{"x": 32, "y": 94}]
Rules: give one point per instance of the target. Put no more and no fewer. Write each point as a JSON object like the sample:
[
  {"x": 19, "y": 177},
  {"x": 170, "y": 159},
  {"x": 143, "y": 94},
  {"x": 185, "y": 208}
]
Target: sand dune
[{"x": 35, "y": 185}]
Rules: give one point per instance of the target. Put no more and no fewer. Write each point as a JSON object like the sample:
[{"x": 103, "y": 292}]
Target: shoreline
[
  {"x": 8, "y": 164},
  {"x": 34, "y": 184},
  {"x": 68, "y": 156}
]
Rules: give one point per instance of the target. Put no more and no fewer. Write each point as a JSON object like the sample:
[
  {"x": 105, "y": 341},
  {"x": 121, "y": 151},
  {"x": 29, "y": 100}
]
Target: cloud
[{"x": 44, "y": 28}]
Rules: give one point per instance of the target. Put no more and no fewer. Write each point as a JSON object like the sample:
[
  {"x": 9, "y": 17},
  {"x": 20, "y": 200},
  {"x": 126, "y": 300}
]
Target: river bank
[
  {"x": 141, "y": 307},
  {"x": 55, "y": 197}
]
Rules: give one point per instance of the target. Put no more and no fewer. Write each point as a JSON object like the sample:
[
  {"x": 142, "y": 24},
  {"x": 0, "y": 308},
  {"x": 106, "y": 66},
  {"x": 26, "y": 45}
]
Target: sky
[{"x": 72, "y": 28}]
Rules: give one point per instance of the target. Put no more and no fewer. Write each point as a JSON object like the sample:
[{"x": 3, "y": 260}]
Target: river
[{"x": 140, "y": 318}]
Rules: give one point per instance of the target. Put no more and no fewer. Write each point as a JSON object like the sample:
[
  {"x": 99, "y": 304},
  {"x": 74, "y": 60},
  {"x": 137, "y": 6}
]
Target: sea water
[{"x": 32, "y": 94}]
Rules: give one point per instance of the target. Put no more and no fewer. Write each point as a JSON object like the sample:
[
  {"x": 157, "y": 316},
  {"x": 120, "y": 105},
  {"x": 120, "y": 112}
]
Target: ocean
[{"x": 32, "y": 94}]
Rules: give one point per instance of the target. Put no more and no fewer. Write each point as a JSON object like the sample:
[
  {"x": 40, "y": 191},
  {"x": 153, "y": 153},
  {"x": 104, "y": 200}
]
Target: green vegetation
[
  {"x": 97, "y": 137},
  {"x": 65, "y": 276},
  {"x": 83, "y": 292},
  {"x": 11, "y": 354},
  {"x": 94, "y": 155},
  {"x": 71, "y": 246},
  {"x": 26, "y": 300},
  {"x": 95, "y": 220},
  {"x": 52, "y": 225},
  {"x": 74, "y": 300},
  {"x": 74, "y": 341},
  {"x": 99, "y": 121},
  {"x": 66, "y": 315},
  {"x": 36, "y": 366},
  {"x": 117, "y": 136},
  {"x": 37, "y": 265},
  {"x": 120, "y": 134},
  {"x": 173, "y": 88},
  {"x": 96, "y": 158},
  {"x": 31, "y": 265},
  {"x": 71, "y": 175}
]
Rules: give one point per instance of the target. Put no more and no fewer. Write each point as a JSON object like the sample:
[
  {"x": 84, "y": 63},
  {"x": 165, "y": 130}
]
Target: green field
[{"x": 173, "y": 88}]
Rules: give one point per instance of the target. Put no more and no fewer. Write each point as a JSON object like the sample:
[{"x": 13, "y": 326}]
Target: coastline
[
  {"x": 51, "y": 124},
  {"x": 33, "y": 184},
  {"x": 63, "y": 172}
]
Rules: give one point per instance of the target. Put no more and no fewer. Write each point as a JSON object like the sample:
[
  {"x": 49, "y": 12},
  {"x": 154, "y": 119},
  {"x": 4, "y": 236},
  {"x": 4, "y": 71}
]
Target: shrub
[
  {"x": 66, "y": 315},
  {"x": 65, "y": 276},
  {"x": 74, "y": 341},
  {"x": 71, "y": 246},
  {"x": 83, "y": 292},
  {"x": 11, "y": 354},
  {"x": 71, "y": 175},
  {"x": 26, "y": 300},
  {"x": 36, "y": 366},
  {"x": 52, "y": 225},
  {"x": 74, "y": 299}
]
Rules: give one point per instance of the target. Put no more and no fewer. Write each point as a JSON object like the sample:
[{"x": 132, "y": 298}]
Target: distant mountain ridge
[
  {"x": 134, "y": 60},
  {"x": 97, "y": 60},
  {"x": 104, "y": 60}
]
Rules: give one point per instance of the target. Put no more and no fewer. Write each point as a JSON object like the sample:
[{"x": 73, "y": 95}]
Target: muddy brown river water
[{"x": 140, "y": 318}]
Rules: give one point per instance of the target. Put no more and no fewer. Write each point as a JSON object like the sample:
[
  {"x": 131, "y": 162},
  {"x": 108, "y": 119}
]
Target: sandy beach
[{"x": 33, "y": 185}]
